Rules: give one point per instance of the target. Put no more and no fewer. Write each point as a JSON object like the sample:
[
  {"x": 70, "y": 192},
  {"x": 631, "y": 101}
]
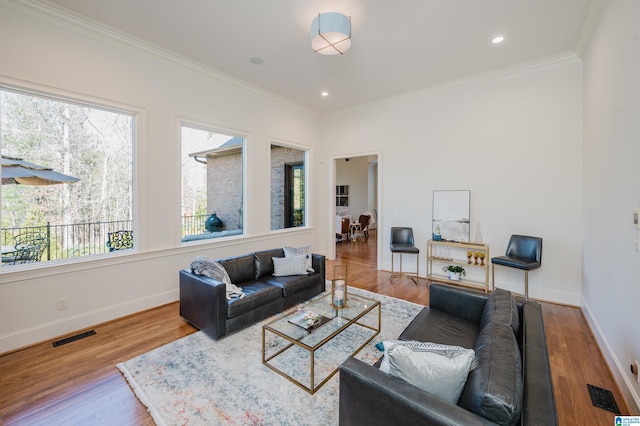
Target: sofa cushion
[
  {"x": 502, "y": 307},
  {"x": 208, "y": 267},
  {"x": 264, "y": 264},
  {"x": 257, "y": 294},
  {"x": 431, "y": 325},
  {"x": 300, "y": 251},
  {"x": 288, "y": 266},
  {"x": 438, "y": 369},
  {"x": 494, "y": 389},
  {"x": 292, "y": 284},
  {"x": 240, "y": 268}
]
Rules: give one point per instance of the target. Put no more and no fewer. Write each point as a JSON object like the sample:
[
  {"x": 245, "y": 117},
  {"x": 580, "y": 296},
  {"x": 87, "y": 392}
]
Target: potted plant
[{"x": 455, "y": 272}]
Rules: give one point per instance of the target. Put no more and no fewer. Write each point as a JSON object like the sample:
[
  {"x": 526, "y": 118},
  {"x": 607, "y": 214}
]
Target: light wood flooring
[{"x": 78, "y": 383}]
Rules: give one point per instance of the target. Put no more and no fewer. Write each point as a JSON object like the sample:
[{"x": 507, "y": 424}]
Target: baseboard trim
[
  {"x": 618, "y": 370},
  {"x": 21, "y": 339}
]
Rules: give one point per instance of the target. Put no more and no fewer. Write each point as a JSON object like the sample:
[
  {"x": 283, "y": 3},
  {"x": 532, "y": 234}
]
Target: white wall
[
  {"x": 611, "y": 286},
  {"x": 354, "y": 173},
  {"x": 55, "y": 54},
  {"x": 514, "y": 138}
]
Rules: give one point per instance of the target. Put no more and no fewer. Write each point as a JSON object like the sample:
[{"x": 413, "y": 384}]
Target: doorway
[{"x": 356, "y": 193}]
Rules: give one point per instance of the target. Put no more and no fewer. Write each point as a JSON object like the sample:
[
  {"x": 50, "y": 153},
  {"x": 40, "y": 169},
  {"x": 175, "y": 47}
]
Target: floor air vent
[
  {"x": 73, "y": 338},
  {"x": 603, "y": 398}
]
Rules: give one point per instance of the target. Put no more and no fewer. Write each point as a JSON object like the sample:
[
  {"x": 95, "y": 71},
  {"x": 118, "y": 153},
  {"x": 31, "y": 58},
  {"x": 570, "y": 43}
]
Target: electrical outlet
[{"x": 62, "y": 303}]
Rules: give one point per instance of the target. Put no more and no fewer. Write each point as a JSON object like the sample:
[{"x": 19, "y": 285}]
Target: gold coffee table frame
[{"x": 311, "y": 341}]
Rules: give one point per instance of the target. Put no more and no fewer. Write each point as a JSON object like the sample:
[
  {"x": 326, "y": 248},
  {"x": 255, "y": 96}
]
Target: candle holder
[
  {"x": 339, "y": 287},
  {"x": 469, "y": 254}
]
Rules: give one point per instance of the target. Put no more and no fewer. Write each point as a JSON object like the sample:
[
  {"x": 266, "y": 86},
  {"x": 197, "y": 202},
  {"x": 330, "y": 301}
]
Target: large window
[
  {"x": 287, "y": 187},
  {"x": 66, "y": 179},
  {"x": 212, "y": 183}
]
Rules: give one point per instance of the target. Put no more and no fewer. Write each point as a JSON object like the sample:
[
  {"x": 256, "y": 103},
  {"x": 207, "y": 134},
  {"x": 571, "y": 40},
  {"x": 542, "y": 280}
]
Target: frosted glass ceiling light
[{"x": 331, "y": 33}]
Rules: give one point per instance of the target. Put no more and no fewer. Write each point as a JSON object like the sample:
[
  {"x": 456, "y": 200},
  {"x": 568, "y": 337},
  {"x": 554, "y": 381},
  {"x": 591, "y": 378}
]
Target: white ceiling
[{"x": 398, "y": 46}]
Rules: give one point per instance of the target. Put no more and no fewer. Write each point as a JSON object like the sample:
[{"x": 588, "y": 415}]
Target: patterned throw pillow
[
  {"x": 300, "y": 251},
  {"x": 286, "y": 266},
  {"x": 438, "y": 369}
]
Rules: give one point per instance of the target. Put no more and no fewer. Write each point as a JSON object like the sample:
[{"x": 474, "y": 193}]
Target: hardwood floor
[{"x": 78, "y": 383}]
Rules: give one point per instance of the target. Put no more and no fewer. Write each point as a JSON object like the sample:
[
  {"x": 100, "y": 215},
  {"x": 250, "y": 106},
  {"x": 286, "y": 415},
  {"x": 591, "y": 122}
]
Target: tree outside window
[{"x": 87, "y": 142}]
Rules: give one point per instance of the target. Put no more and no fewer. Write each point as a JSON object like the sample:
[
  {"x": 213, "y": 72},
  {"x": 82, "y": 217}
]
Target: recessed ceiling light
[
  {"x": 498, "y": 39},
  {"x": 256, "y": 60},
  {"x": 325, "y": 93}
]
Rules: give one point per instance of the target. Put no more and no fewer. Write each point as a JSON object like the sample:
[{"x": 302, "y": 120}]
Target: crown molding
[
  {"x": 548, "y": 62},
  {"x": 588, "y": 23},
  {"x": 55, "y": 15}
]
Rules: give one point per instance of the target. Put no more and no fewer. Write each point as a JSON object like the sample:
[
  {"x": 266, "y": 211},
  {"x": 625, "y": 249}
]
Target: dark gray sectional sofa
[
  {"x": 510, "y": 383},
  {"x": 204, "y": 304}
]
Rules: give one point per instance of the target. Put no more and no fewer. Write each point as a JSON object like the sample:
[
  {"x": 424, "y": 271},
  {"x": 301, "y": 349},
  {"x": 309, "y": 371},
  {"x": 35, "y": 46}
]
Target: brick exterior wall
[
  {"x": 280, "y": 156},
  {"x": 224, "y": 189}
]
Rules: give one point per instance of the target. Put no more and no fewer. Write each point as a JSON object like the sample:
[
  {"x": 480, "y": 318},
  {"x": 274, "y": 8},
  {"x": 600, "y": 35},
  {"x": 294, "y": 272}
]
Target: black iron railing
[
  {"x": 68, "y": 241},
  {"x": 84, "y": 239}
]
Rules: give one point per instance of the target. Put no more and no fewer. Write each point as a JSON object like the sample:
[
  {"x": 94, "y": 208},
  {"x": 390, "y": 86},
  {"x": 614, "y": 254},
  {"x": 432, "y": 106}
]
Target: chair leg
[
  {"x": 401, "y": 274},
  {"x": 493, "y": 276},
  {"x": 415, "y": 279},
  {"x": 526, "y": 286}
]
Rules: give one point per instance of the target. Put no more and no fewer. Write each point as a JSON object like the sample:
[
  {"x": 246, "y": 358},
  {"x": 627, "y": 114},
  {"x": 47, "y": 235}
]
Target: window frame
[
  {"x": 307, "y": 181},
  {"x": 139, "y": 145},
  {"x": 217, "y": 129}
]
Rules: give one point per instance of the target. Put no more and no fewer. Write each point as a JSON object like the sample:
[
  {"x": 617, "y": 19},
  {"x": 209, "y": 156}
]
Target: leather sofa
[
  {"x": 203, "y": 299},
  {"x": 509, "y": 383}
]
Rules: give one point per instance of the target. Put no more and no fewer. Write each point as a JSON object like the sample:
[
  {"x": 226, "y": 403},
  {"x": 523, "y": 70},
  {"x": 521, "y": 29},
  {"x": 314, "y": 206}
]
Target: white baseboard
[
  {"x": 617, "y": 368},
  {"x": 43, "y": 332}
]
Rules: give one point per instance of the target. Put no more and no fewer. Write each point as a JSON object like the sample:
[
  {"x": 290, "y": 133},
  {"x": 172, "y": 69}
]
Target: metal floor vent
[
  {"x": 603, "y": 398},
  {"x": 73, "y": 338}
]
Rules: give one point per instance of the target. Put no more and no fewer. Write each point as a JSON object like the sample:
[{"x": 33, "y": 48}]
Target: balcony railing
[
  {"x": 68, "y": 241},
  {"x": 85, "y": 239}
]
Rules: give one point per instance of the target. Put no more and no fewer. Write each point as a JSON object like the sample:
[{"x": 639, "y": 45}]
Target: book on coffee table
[{"x": 309, "y": 320}]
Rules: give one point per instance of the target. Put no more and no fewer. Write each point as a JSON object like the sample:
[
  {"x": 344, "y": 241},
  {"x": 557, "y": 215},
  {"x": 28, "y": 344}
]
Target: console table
[{"x": 443, "y": 253}]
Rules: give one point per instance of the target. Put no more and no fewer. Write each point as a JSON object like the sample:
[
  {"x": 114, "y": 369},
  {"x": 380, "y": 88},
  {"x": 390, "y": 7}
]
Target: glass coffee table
[{"x": 314, "y": 355}]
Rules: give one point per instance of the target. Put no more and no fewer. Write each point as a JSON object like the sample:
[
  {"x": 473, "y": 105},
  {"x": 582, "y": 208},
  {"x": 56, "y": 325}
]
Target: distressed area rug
[{"x": 200, "y": 381}]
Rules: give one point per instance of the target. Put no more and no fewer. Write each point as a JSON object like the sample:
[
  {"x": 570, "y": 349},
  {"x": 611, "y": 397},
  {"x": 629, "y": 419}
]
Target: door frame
[{"x": 378, "y": 206}]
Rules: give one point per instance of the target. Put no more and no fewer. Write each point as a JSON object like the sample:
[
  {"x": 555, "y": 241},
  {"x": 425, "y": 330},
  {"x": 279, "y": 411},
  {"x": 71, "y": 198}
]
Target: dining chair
[
  {"x": 523, "y": 252},
  {"x": 402, "y": 243}
]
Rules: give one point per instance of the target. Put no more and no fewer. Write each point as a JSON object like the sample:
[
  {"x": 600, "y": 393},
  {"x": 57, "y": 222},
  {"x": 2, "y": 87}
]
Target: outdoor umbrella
[{"x": 18, "y": 171}]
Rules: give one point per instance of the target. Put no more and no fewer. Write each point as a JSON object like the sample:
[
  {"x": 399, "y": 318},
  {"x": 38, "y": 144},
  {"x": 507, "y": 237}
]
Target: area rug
[{"x": 200, "y": 381}]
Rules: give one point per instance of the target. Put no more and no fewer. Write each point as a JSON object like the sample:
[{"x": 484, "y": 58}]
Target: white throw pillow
[
  {"x": 300, "y": 251},
  {"x": 285, "y": 266},
  {"x": 438, "y": 369}
]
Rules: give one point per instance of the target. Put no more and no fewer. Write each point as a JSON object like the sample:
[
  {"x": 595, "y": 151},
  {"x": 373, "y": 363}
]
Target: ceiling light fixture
[
  {"x": 498, "y": 39},
  {"x": 325, "y": 93},
  {"x": 331, "y": 33}
]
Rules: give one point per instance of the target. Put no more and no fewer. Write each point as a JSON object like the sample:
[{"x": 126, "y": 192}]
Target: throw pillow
[
  {"x": 285, "y": 266},
  {"x": 208, "y": 267},
  {"x": 438, "y": 369},
  {"x": 300, "y": 251}
]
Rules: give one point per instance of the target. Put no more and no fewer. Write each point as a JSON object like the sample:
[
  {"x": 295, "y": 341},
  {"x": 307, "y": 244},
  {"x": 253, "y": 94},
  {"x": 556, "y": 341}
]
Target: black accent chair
[
  {"x": 119, "y": 240},
  {"x": 29, "y": 248},
  {"x": 523, "y": 252},
  {"x": 402, "y": 242}
]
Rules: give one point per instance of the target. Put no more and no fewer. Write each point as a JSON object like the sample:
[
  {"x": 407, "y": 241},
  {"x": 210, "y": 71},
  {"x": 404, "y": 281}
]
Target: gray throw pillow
[
  {"x": 438, "y": 369},
  {"x": 300, "y": 251},
  {"x": 286, "y": 266}
]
